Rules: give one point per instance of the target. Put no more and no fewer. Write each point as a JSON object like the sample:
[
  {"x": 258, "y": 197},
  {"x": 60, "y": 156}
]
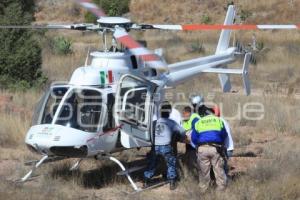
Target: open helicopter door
[{"x": 133, "y": 110}]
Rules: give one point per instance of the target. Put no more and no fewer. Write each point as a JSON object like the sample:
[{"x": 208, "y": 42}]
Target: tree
[{"x": 20, "y": 53}]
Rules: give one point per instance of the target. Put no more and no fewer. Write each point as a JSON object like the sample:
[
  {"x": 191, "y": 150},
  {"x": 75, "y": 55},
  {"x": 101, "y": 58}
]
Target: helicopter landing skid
[
  {"x": 36, "y": 164},
  {"x": 28, "y": 175},
  {"x": 76, "y": 165},
  {"x": 126, "y": 173}
]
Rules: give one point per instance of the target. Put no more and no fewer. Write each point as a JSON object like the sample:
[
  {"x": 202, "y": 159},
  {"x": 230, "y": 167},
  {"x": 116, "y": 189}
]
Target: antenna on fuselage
[
  {"x": 87, "y": 57},
  {"x": 104, "y": 39},
  {"x": 114, "y": 45}
]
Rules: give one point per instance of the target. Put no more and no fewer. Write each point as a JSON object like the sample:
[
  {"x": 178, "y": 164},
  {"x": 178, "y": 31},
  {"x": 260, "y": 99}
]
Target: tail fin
[
  {"x": 244, "y": 72},
  {"x": 224, "y": 40},
  {"x": 223, "y": 44}
]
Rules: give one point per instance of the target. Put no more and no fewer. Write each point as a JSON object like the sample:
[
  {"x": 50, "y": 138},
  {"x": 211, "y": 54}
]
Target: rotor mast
[{"x": 108, "y": 25}]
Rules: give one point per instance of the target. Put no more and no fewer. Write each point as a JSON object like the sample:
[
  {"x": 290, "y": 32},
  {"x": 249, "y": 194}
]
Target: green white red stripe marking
[{"x": 106, "y": 77}]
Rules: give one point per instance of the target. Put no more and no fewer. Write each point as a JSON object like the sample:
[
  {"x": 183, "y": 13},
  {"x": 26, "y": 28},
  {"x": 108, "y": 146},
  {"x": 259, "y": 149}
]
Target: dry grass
[
  {"x": 60, "y": 68},
  {"x": 13, "y": 129},
  {"x": 58, "y": 11},
  {"x": 15, "y": 116}
]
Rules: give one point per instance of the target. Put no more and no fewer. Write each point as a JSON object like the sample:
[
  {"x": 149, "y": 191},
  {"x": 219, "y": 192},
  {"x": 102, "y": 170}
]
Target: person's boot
[
  {"x": 146, "y": 182},
  {"x": 173, "y": 184}
]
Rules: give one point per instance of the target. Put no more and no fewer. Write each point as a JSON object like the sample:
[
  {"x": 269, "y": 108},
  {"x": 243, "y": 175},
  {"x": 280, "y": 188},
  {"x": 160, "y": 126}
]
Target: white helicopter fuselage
[{"x": 71, "y": 134}]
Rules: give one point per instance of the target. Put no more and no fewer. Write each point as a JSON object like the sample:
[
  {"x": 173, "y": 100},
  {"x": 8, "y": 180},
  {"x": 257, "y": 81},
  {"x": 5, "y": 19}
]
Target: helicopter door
[{"x": 133, "y": 110}]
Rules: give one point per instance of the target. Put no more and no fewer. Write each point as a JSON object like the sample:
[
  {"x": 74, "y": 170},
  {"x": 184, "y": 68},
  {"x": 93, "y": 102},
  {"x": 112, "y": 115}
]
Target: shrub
[
  {"x": 197, "y": 47},
  {"x": 260, "y": 46},
  {"x": 61, "y": 45},
  {"x": 205, "y": 19},
  {"x": 245, "y": 14}
]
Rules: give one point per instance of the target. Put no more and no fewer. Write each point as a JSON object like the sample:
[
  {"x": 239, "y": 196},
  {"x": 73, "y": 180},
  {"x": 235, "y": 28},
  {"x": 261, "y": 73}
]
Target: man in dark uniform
[{"x": 165, "y": 128}]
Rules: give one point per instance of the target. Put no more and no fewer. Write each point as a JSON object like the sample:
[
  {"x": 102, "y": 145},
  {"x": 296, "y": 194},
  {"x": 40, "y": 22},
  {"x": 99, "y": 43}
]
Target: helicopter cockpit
[{"x": 78, "y": 107}]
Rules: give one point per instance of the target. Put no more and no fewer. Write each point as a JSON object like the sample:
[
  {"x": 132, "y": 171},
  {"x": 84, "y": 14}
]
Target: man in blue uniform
[
  {"x": 165, "y": 128},
  {"x": 209, "y": 135}
]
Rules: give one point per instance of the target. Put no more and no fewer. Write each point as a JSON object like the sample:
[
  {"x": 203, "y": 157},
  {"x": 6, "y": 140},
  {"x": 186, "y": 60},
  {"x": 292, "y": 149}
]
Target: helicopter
[{"x": 110, "y": 104}]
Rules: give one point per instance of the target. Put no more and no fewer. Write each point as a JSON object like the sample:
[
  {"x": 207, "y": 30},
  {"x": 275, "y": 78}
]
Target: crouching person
[
  {"x": 209, "y": 135},
  {"x": 164, "y": 130}
]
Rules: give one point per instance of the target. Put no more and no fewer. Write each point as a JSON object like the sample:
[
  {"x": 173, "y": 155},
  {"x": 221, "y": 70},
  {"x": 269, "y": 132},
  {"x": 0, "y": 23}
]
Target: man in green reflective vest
[
  {"x": 189, "y": 119},
  {"x": 190, "y": 158},
  {"x": 209, "y": 135}
]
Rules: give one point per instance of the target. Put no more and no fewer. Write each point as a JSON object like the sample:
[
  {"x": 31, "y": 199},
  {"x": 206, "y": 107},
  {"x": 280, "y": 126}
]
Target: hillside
[
  {"x": 189, "y": 11},
  {"x": 192, "y": 11},
  {"x": 266, "y": 157}
]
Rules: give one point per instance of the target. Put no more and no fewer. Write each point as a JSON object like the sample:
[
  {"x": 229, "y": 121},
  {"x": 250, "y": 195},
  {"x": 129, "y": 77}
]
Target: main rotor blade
[
  {"x": 194, "y": 27},
  {"x": 36, "y": 27},
  {"x": 81, "y": 27},
  {"x": 93, "y": 8},
  {"x": 152, "y": 60}
]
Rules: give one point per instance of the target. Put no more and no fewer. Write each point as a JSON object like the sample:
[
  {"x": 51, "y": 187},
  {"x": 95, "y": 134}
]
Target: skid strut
[
  {"x": 28, "y": 175},
  {"x": 76, "y": 165},
  {"x": 135, "y": 187}
]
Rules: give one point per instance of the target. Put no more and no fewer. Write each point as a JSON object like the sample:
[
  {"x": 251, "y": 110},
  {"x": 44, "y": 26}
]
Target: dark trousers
[{"x": 167, "y": 152}]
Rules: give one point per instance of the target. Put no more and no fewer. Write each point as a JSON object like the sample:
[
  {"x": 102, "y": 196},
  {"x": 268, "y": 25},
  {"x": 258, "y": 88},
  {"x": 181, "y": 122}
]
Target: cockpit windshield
[
  {"x": 54, "y": 99},
  {"x": 78, "y": 108}
]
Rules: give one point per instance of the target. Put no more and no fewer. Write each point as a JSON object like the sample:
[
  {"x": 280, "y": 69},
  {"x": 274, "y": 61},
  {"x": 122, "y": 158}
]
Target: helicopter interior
[{"x": 133, "y": 105}]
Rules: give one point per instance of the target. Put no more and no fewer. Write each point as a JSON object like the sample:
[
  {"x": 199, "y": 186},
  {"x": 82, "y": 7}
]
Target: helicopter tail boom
[
  {"x": 216, "y": 63},
  {"x": 182, "y": 71}
]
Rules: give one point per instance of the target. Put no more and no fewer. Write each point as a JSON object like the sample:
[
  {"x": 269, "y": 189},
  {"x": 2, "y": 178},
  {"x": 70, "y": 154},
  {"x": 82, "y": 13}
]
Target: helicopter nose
[
  {"x": 31, "y": 148},
  {"x": 58, "y": 140},
  {"x": 38, "y": 149}
]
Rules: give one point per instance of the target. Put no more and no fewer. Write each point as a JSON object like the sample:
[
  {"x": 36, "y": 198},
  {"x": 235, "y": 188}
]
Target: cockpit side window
[{"x": 81, "y": 110}]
